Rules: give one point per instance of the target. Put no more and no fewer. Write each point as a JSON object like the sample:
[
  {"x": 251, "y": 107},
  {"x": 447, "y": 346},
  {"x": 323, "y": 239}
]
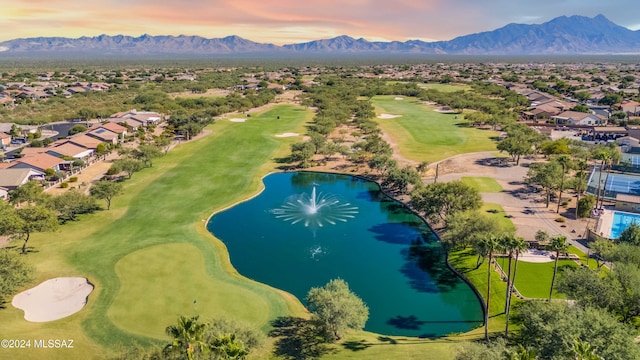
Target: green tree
[
  {"x": 546, "y": 175},
  {"x": 30, "y": 192},
  {"x": 76, "y": 129},
  {"x": 146, "y": 154},
  {"x": 551, "y": 328},
  {"x": 585, "y": 205},
  {"x": 35, "y": 218},
  {"x": 602, "y": 249},
  {"x": 225, "y": 346},
  {"x": 129, "y": 166},
  {"x": 439, "y": 200},
  {"x": 465, "y": 228},
  {"x": 71, "y": 204},
  {"x": 584, "y": 351},
  {"x": 400, "y": 179},
  {"x": 14, "y": 273},
  {"x": 630, "y": 235},
  {"x": 336, "y": 308},
  {"x": 106, "y": 190},
  {"x": 187, "y": 337},
  {"x": 558, "y": 244}
]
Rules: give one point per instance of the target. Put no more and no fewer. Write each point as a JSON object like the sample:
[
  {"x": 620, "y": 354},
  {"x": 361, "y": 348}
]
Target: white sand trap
[
  {"x": 398, "y": 98},
  {"x": 290, "y": 134},
  {"x": 535, "y": 256},
  {"x": 237, "y": 120},
  {"x": 388, "y": 116},
  {"x": 53, "y": 299}
]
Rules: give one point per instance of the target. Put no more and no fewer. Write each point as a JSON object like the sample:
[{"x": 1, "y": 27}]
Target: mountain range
[{"x": 560, "y": 36}]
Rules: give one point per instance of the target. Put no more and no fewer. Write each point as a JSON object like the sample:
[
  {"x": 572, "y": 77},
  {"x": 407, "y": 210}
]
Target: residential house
[
  {"x": 576, "y": 118},
  {"x": 632, "y": 108},
  {"x": 118, "y": 129},
  {"x": 71, "y": 150},
  {"x": 39, "y": 162},
  {"x": 5, "y": 140},
  {"x": 31, "y": 151},
  {"x": 145, "y": 117},
  {"x": 12, "y": 178},
  {"x": 4, "y": 193},
  {"x": 129, "y": 123},
  {"x": 85, "y": 141},
  {"x": 103, "y": 135}
]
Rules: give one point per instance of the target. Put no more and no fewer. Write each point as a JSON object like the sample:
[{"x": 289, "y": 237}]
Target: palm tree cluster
[
  {"x": 190, "y": 341},
  {"x": 486, "y": 248}
]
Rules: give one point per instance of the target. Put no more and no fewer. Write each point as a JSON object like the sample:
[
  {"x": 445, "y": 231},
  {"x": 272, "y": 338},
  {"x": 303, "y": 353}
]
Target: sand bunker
[
  {"x": 237, "y": 120},
  {"x": 289, "y": 134},
  {"x": 398, "y": 98},
  {"x": 388, "y": 116},
  {"x": 53, "y": 299}
]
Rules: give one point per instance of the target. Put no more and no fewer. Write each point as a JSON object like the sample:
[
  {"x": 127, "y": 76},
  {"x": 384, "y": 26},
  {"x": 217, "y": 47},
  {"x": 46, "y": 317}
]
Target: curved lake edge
[
  {"x": 435, "y": 233},
  {"x": 385, "y": 192}
]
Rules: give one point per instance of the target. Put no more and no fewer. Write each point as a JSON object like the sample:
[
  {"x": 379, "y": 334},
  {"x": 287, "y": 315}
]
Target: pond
[{"x": 307, "y": 228}]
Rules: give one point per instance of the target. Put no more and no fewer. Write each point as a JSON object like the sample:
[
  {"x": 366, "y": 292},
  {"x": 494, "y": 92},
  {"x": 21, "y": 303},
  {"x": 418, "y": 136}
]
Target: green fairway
[
  {"x": 142, "y": 284},
  {"x": 423, "y": 134},
  {"x": 482, "y": 184},
  {"x": 444, "y": 87}
]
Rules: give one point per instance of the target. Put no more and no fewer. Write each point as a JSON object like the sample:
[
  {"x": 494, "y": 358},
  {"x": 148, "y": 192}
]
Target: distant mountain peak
[{"x": 562, "y": 35}]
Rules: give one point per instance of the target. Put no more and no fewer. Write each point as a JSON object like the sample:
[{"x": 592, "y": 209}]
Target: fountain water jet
[{"x": 315, "y": 209}]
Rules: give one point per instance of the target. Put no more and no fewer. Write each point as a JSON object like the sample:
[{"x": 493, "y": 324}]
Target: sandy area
[
  {"x": 53, "y": 299},
  {"x": 388, "y": 116},
  {"x": 237, "y": 120},
  {"x": 287, "y": 134},
  {"x": 398, "y": 98}
]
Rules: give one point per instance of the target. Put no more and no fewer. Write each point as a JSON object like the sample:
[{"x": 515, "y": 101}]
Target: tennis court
[{"x": 612, "y": 184}]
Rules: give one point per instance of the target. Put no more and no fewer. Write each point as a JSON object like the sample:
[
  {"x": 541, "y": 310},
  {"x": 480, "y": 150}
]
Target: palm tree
[
  {"x": 582, "y": 166},
  {"x": 604, "y": 157},
  {"x": 488, "y": 246},
  {"x": 517, "y": 246},
  {"x": 565, "y": 162},
  {"x": 584, "y": 351},
  {"x": 187, "y": 335},
  {"x": 558, "y": 244},
  {"x": 227, "y": 347},
  {"x": 523, "y": 353}
]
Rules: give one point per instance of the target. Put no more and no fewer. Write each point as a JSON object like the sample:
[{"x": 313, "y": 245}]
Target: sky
[{"x": 293, "y": 21}]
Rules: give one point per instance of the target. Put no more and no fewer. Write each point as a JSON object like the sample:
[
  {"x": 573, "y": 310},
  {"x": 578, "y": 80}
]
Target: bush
[
  {"x": 73, "y": 179},
  {"x": 560, "y": 220},
  {"x": 64, "y": 185},
  {"x": 585, "y": 205}
]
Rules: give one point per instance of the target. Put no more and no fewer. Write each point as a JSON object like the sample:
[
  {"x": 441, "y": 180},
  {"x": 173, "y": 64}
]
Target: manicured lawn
[
  {"x": 426, "y": 135},
  {"x": 444, "y": 87},
  {"x": 497, "y": 212},
  {"x": 533, "y": 280},
  {"x": 482, "y": 184},
  {"x": 151, "y": 256}
]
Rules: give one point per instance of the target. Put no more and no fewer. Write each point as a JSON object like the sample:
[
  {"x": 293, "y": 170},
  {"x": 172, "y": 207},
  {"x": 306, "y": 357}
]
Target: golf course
[
  {"x": 156, "y": 230},
  {"x": 423, "y": 134}
]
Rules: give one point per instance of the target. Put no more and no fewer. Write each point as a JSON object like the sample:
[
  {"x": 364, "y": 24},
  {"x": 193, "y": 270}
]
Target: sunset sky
[{"x": 290, "y": 21}]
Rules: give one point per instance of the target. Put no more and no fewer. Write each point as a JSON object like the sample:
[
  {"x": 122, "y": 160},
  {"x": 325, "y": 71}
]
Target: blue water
[
  {"x": 387, "y": 255},
  {"x": 621, "y": 221}
]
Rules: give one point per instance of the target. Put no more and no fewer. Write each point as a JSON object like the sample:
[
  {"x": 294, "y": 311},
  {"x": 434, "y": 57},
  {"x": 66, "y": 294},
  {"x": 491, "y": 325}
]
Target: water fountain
[{"x": 315, "y": 210}]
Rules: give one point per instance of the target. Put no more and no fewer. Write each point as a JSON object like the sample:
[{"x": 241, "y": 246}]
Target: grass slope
[
  {"x": 166, "y": 204},
  {"x": 426, "y": 135},
  {"x": 482, "y": 183}
]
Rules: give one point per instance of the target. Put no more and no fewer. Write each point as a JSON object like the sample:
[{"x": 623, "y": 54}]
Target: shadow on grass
[{"x": 299, "y": 339}]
